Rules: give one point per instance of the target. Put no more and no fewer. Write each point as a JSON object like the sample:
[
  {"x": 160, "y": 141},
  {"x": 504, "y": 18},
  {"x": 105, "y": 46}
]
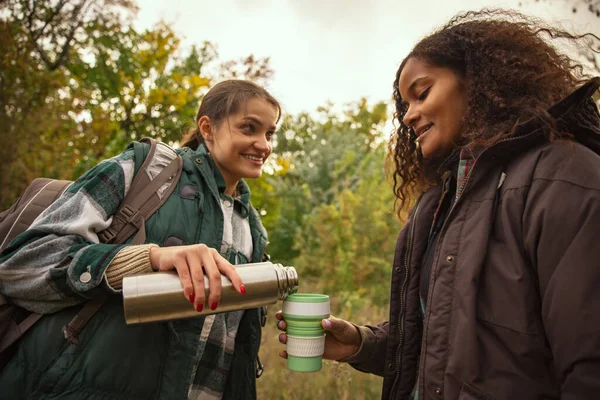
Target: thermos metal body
[{"x": 159, "y": 296}]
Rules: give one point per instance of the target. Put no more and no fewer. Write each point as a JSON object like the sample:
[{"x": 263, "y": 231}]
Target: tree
[
  {"x": 38, "y": 39},
  {"x": 136, "y": 85},
  {"x": 250, "y": 68},
  {"x": 78, "y": 82},
  {"x": 327, "y": 204},
  {"x": 312, "y": 162},
  {"x": 54, "y": 27},
  {"x": 349, "y": 244}
]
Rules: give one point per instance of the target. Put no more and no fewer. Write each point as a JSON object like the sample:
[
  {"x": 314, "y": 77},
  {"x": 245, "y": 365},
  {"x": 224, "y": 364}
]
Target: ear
[{"x": 206, "y": 128}]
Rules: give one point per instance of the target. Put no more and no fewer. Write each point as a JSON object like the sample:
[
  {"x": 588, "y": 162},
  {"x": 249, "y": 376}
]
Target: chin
[
  {"x": 431, "y": 150},
  {"x": 426, "y": 152},
  {"x": 253, "y": 174}
]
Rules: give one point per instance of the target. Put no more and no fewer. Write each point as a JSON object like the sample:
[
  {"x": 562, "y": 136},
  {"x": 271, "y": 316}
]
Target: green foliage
[
  {"x": 78, "y": 83},
  {"x": 140, "y": 83},
  {"x": 350, "y": 243},
  {"x": 317, "y": 161}
]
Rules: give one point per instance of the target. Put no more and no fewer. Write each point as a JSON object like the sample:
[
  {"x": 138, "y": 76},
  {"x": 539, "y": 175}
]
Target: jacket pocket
[{"x": 468, "y": 392}]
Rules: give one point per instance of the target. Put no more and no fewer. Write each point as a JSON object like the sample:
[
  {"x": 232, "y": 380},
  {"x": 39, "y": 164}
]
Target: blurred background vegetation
[{"x": 78, "y": 83}]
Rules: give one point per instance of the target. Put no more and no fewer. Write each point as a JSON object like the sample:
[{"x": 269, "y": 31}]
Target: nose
[
  {"x": 263, "y": 145},
  {"x": 411, "y": 117}
]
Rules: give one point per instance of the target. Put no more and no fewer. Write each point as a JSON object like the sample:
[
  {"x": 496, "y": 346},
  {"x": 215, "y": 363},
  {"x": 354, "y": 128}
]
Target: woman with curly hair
[{"x": 495, "y": 283}]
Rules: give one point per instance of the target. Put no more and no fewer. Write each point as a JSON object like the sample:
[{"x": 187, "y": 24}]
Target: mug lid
[{"x": 306, "y": 305}]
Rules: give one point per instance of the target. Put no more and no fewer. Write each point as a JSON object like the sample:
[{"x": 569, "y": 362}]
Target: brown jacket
[{"x": 513, "y": 310}]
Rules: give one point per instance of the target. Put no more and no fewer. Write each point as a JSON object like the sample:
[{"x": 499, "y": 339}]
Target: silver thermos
[{"x": 159, "y": 296}]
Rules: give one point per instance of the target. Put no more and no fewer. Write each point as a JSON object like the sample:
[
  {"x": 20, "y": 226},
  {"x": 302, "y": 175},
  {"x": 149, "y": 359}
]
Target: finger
[
  {"x": 214, "y": 280},
  {"x": 283, "y": 354},
  {"x": 282, "y": 338},
  {"x": 279, "y": 315},
  {"x": 197, "y": 278},
  {"x": 281, "y": 325},
  {"x": 342, "y": 330},
  {"x": 338, "y": 327},
  {"x": 184, "y": 276},
  {"x": 229, "y": 271}
]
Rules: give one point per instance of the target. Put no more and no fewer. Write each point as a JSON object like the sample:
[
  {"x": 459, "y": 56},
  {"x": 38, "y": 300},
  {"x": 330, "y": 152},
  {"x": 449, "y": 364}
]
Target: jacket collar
[{"x": 218, "y": 186}]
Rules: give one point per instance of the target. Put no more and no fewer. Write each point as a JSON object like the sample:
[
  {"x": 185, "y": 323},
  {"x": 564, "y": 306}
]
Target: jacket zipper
[
  {"x": 421, "y": 381},
  {"x": 440, "y": 241},
  {"x": 402, "y": 299}
]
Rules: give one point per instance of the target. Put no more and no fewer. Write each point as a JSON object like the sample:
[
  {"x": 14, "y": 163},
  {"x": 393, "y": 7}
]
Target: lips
[{"x": 423, "y": 129}]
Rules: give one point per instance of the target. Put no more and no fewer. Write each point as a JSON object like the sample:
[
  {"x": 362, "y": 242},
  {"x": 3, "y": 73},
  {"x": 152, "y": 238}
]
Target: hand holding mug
[{"x": 342, "y": 339}]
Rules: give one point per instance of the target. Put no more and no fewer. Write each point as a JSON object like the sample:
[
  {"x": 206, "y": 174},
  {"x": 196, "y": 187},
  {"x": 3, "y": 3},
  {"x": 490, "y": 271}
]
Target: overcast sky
[{"x": 328, "y": 50}]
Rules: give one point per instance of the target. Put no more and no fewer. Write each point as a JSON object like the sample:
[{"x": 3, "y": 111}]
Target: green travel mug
[{"x": 303, "y": 313}]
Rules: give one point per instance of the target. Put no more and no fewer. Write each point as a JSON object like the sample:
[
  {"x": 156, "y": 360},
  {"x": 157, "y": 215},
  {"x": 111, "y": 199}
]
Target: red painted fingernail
[
  {"x": 192, "y": 297},
  {"x": 242, "y": 289},
  {"x": 213, "y": 306},
  {"x": 199, "y": 307}
]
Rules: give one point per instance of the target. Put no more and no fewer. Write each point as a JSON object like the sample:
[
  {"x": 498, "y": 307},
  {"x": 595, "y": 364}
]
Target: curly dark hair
[{"x": 512, "y": 72}]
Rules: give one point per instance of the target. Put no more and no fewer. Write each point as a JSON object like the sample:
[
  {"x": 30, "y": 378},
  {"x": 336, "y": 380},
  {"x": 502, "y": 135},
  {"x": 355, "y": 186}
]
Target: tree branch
[{"x": 48, "y": 20}]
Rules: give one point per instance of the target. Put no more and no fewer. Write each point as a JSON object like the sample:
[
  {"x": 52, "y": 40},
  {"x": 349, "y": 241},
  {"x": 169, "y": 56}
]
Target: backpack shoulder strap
[
  {"x": 12, "y": 331},
  {"x": 36, "y": 198},
  {"x": 153, "y": 183},
  {"x": 79, "y": 321}
]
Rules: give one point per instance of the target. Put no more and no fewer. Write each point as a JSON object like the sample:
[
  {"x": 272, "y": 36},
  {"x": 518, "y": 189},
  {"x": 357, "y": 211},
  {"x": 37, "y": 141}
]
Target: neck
[{"x": 230, "y": 189}]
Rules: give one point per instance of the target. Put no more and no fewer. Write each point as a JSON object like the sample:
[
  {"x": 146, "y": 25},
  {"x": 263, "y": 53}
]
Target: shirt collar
[{"x": 242, "y": 200}]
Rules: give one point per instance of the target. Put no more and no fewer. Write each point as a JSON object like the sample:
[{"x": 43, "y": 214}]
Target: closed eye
[{"x": 423, "y": 95}]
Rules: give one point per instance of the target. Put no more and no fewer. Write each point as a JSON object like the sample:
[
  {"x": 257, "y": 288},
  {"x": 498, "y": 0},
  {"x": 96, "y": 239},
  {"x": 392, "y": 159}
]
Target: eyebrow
[
  {"x": 259, "y": 122},
  {"x": 415, "y": 83}
]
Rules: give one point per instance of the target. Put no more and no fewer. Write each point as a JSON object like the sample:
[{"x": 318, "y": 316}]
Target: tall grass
[{"x": 335, "y": 380}]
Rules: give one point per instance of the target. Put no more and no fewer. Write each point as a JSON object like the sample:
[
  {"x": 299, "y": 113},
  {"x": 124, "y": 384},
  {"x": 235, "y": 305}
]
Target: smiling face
[
  {"x": 436, "y": 102},
  {"x": 241, "y": 143}
]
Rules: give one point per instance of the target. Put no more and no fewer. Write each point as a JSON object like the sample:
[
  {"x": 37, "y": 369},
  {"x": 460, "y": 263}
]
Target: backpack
[{"x": 142, "y": 200}]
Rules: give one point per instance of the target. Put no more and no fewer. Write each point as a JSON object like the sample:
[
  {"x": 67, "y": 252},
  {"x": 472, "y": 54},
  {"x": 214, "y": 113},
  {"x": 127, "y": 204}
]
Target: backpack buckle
[
  {"x": 126, "y": 215},
  {"x": 107, "y": 235},
  {"x": 132, "y": 216}
]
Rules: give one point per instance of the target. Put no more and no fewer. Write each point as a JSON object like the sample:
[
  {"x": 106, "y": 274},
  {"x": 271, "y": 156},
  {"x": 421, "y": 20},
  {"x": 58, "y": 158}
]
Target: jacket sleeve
[
  {"x": 561, "y": 237},
  {"x": 59, "y": 262},
  {"x": 370, "y": 357}
]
